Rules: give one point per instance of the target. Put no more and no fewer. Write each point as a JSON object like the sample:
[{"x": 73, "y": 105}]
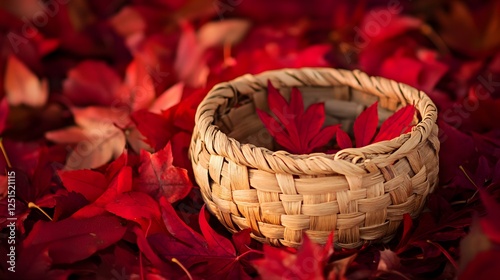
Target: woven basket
[{"x": 360, "y": 193}]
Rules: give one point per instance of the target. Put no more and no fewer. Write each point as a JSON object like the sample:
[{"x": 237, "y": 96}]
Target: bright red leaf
[
  {"x": 365, "y": 126},
  {"x": 90, "y": 184},
  {"x": 137, "y": 207},
  {"x": 396, "y": 124}
]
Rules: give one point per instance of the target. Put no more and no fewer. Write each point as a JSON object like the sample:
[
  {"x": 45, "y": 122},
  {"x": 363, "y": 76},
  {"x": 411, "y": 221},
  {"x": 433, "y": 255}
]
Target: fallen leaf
[
  {"x": 308, "y": 263},
  {"x": 89, "y": 183},
  {"x": 72, "y": 240},
  {"x": 24, "y": 87},
  {"x": 159, "y": 178},
  {"x": 137, "y": 207}
]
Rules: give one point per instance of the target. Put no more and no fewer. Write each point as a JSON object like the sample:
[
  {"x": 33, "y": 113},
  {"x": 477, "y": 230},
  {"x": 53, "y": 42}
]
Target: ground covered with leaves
[{"x": 97, "y": 104}]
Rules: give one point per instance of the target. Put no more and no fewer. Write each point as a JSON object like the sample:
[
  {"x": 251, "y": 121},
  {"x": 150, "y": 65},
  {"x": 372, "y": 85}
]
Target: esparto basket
[{"x": 359, "y": 193}]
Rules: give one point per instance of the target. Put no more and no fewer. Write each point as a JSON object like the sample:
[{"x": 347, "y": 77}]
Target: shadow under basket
[{"x": 359, "y": 193}]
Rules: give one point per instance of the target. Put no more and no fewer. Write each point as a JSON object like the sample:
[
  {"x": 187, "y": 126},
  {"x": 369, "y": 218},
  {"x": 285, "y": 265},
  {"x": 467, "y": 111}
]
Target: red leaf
[
  {"x": 343, "y": 139},
  {"x": 276, "y": 130},
  {"x": 92, "y": 83},
  {"x": 298, "y": 131},
  {"x": 242, "y": 240},
  {"x": 396, "y": 124},
  {"x": 366, "y": 125},
  {"x": 324, "y": 136},
  {"x": 484, "y": 266},
  {"x": 159, "y": 178},
  {"x": 489, "y": 223},
  {"x": 452, "y": 141},
  {"x": 178, "y": 228},
  {"x": 407, "y": 224},
  {"x": 296, "y": 102},
  {"x": 114, "y": 167},
  {"x": 308, "y": 263},
  {"x": 217, "y": 244},
  {"x": 4, "y": 113},
  {"x": 120, "y": 184},
  {"x": 72, "y": 240},
  {"x": 89, "y": 183},
  {"x": 137, "y": 207},
  {"x": 157, "y": 129}
]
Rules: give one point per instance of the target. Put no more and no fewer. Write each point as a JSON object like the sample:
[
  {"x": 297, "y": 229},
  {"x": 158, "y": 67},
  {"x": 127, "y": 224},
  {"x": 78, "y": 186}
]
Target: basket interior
[{"x": 342, "y": 106}]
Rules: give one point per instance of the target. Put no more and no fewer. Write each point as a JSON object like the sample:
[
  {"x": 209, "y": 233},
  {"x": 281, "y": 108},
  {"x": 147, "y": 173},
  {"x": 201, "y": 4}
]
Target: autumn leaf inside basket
[{"x": 302, "y": 130}]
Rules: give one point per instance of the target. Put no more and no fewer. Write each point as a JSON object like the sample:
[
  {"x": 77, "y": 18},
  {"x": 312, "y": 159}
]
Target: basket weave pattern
[{"x": 360, "y": 193}]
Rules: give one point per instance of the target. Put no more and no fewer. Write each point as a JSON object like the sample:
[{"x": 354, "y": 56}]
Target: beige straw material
[{"x": 360, "y": 193}]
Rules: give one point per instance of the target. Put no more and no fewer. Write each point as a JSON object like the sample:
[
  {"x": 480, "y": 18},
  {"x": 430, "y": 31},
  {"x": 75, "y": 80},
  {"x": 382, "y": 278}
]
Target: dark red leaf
[
  {"x": 489, "y": 223},
  {"x": 4, "y": 112},
  {"x": 365, "y": 126},
  {"x": 178, "y": 228},
  {"x": 407, "y": 224},
  {"x": 72, "y": 240},
  {"x": 453, "y": 140},
  {"x": 483, "y": 266},
  {"x": 219, "y": 245}
]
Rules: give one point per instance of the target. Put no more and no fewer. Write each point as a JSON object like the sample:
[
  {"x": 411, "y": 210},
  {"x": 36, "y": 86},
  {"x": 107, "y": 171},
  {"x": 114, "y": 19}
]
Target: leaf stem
[
  {"x": 468, "y": 177},
  {"x": 176, "y": 261},
  {"x": 428, "y": 31},
  {"x": 33, "y": 205},
  {"x": 445, "y": 253},
  {"x": 248, "y": 252},
  {"x": 9, "y": 165}
]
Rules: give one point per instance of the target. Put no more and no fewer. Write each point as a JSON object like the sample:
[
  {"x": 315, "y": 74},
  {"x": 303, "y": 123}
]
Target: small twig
[
  {"x": 9, "y": 165},
  {"x": 445, "y": 253},
  {"x": 428, "y": 31},
  {"x": 174, "y": 260},
  {"x": 33, "y": 205}
]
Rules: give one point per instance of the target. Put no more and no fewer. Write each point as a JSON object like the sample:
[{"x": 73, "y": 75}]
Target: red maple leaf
[
  {"x": 365, "y": 127},
  {"x": 307, "y": 263},
  {"x": 159, "y": 178},
  {"x": 297, "y": 130},
  {"x": 89, "y": 235},
  {"x": 218, "y": 255}
]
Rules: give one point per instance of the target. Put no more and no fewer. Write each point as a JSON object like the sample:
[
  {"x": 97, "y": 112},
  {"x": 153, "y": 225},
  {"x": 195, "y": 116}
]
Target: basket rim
[{"x": 346, "y": 161}]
